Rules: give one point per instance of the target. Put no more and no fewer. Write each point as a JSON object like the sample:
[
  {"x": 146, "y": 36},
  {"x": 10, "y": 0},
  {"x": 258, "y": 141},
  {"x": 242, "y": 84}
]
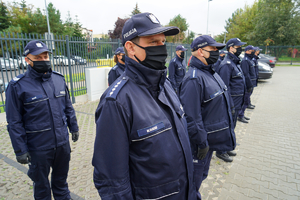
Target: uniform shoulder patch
[
  {"x": 194, "y": 74},
  {"x": 228, "y": 62},
  {"x": 115, "y": 67},
  {"x": 58, "y": 73},
  {"x": 17, "y": 78},
  {"x": 116, "y": 87}
]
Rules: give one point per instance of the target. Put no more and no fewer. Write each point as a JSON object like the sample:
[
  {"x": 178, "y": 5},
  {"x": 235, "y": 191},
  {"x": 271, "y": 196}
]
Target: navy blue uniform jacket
[
  {"x": 247, "y": 66},
  {"x": 233, "y": 77},
  {"x": 206, "y": 103},
  {"x": 177, "y": 69},
  {"x": 255, "y": 60},
  {"x": 142, "y": 148},
  {"x": 38, "y": 111},
  {"x": 115, "y": 72}
]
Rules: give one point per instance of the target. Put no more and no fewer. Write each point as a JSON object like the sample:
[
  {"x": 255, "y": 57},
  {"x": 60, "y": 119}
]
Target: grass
[
  {"x": 75, "y": 77},
  {"x": 2, "y": 108},
  {"x": 82, "y": 91},
  {"x": 286, "y": 65},
  {"x": 288, "y": 59}
]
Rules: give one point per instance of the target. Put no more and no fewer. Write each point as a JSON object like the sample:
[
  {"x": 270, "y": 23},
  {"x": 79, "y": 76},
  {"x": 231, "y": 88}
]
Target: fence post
[
  {"x": 70, "y": 69},
  {"x": 119, "y": 42}
]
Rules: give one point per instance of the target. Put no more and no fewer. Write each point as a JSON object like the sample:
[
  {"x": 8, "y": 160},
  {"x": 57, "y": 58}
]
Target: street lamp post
[
  {"x": 47, "y": 18},
  {"x": 207, "y": 16}
]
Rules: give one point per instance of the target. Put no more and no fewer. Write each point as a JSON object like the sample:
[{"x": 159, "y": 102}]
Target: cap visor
[
  {"x": 39, "y": 52},
  {"x": 168, "y": 31},
  {"x": 240, "y": 43}
]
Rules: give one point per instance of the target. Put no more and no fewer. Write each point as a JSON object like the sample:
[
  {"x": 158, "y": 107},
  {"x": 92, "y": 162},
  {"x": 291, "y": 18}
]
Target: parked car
[
  {"x": 2, "y": 89},
  {"x": 8, "y": 63},
  {"x": 264, "y": 69},
  {"x": 79, "y": 60},
  {"x": 62, "y": 60},
  {"x": 22, "y": 62},
  {"x": 267, "y": 59}
]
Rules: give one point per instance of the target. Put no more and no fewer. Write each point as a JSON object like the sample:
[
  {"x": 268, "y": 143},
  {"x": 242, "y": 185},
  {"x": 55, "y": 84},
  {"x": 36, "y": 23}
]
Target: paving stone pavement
[{"x": 266, "y": 167}]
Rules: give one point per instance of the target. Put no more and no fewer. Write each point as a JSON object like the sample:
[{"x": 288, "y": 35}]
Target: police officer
[
  {"x": 221, "y": 58},
  {"x": 207, "y": 107},
  {"x": 247, "y": 65},
  {"x": 232, "y": 75},
  {"x": 177, "y": 67},
  {"x": 119, "y": 68},
  {"x": 142, "y": 148},
  {"x": 255, "y": 60},
  {"x": 38, "y": 112}
]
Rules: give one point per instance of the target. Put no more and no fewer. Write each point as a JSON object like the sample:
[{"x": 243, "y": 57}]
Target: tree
[
  {"x": 4, "y": 18},
  {"x": 220, "y": 38},
  {"x": 181, "y": 23},
  {"x": 190, "y": 37},
  {"x": 77, "y": 28},
  {"x": 136, "y": 10},
  {"x": 56, "y": 25},
  {"x": 68, "y": 25},
  {"x": 117, "y": 32},
  {"x": 279, "y": 21}
]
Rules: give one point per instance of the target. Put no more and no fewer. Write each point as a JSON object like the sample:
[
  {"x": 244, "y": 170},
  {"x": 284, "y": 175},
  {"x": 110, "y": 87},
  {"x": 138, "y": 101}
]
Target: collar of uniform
[
  {"x": 121, "y": 66},
  {"x": 35, "y": 75},
  {"x": 143, "y": 75},
  {"x": 179, "y": 58},
  {"x": 195, "y": 62},
  {"x": 249, "y": 56},
  {"x": 233, "y": 57}
]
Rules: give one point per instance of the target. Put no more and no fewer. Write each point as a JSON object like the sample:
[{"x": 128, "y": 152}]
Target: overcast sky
[{"x": 100, "y": 15}]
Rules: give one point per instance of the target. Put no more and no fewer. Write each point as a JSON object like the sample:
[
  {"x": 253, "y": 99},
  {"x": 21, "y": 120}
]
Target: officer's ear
[
  {"x": 129, "y": 46},
  {"x": 200, "y": 52}
]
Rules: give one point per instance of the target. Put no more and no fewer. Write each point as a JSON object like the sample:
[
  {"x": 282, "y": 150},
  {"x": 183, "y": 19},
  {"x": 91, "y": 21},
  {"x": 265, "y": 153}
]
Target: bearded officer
[
  {"x": 38, "y": 111},
  {"x": 142, "y": 148}
]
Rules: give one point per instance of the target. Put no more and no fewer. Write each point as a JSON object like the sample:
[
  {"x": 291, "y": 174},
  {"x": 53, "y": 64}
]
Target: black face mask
[
  {"x": 155, "y": 57},
  {"x": 213, "y": 57},
  {"x": 182, "y": 54},
  {"x": 41, "y": 66},
  {"x": 252, "y": 53},
  {"x": 123, "y": 58},
  {"x": 238, "y": 51}
]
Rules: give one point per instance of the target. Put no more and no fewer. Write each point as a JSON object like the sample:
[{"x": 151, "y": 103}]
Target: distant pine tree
[{"x": 136, "y": 10}]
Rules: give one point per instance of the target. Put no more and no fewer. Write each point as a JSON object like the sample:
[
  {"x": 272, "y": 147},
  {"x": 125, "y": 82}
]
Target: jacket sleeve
[
  {"x": 70, "y": 113},
  {"x": 172, "y": 73},
  {"x": 246, "y": 71},
  {"x": 15, "y": 127},
  {"x": 225, "y": 72},
  {"x": 111, "y": 152},
  {"x": 191, "y": 98},
  {"x": 112, "y": 76}
]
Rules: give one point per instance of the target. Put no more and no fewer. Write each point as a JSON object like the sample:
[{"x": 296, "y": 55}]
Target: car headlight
[{"x": 264, "y": 67}]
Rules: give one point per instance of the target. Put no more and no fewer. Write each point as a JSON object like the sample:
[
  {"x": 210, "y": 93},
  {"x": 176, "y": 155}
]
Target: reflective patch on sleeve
[{"x": 151, "y": 129}]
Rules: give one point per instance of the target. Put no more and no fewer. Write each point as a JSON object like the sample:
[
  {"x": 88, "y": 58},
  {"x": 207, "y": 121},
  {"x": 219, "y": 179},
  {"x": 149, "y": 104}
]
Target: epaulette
[
  {"x": 58, "y": 73},
  {"x": 115, "y": 88},
  {"x": 17, "y": 78},
  {"x": 194, "y": 73},
  {"x": 246, "y": 58},
  {"x": 115, "y": 67}
]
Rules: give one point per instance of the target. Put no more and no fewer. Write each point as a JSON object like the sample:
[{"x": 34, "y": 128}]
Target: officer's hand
[
  {"x": 24, "y": 159},
  {"x": 202, "y": 153},
  {"x": 75, "y": 136},
  {"x": 249, "y": 90}
]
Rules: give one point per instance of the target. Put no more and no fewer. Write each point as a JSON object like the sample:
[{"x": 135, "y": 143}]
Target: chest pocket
[
  {"x": 35, "y": 99},
  {"x": 150, "y": 131},
  {"x": 214, "y": 89},
  {"x": 179, "y": 71}
]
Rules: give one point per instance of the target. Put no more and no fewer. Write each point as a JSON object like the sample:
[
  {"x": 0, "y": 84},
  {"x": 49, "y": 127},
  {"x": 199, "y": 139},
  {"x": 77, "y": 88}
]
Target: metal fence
[
  {"x": 288, "y": 54},
  {"x": 70, "y": 57}
]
